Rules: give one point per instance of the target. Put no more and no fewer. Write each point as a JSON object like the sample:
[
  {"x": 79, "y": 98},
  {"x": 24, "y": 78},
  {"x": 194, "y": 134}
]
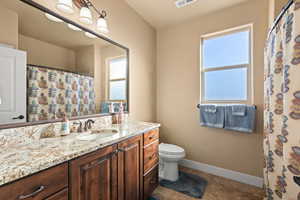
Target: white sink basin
[
  {"x": 101, "y": 133},
  {"x": 87, "y": 136},
  {"x": 108, "y": 132}
]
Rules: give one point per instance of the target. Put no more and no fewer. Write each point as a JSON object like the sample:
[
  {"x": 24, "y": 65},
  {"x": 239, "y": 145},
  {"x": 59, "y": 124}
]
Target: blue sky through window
[
  {"x": 226, "y": 50},
  {"x": 226, "y": 85},
  {"x": 117, "y": 90}
]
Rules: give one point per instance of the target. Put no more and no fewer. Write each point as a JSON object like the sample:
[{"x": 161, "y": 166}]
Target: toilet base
[{"x": 169, "y": 171}]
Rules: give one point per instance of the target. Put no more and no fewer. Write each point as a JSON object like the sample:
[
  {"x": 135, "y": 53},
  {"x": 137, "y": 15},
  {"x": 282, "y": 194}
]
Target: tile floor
[{"x": 218, "y": 189}]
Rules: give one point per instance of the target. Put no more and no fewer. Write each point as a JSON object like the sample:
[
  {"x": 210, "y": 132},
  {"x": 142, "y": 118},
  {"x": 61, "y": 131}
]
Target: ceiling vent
[{"x": 183, "y": 3}]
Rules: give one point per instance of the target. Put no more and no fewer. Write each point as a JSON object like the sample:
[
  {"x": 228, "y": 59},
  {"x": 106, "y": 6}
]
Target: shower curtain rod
[{"x": 279, "y": 17}]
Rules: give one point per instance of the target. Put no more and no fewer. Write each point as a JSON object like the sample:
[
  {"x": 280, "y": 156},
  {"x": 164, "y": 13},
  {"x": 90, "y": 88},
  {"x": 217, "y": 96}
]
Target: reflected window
[
  {"x": 117, "y": 79},
  {"x": 225, "y": 70}
]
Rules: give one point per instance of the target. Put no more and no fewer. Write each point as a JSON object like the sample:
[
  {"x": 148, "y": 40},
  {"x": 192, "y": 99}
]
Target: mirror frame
[{"x": 46, "y": 10}]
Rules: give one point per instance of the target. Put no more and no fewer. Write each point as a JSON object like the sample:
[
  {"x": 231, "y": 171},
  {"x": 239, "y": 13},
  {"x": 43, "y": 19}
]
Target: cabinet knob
[
  {"x": 39, "y": 190},
  {"x": 19, "y": 117}
]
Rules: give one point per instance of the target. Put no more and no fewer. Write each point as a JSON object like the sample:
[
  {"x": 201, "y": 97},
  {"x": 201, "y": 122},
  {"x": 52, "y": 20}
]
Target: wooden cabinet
[
  {"x": 62, "y": 195},
  {"x": 94, "y": 176},
  {"x": 151, "y": 161},
  {"x": 130, "y": 168},
  {"x": 150, "y": 182},
  {"x": 151, "y": 157},
  {"x": 151, "y": 137},
  {"x": 124, "y": 171},
  {"x": 39, "y": 186}
]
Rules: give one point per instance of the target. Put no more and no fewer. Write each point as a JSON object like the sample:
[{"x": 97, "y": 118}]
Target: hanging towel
[
  {"x": 242, "y": 123},
  {"x": 239, "y": 110},
  {"x": 212, "y": 116}
]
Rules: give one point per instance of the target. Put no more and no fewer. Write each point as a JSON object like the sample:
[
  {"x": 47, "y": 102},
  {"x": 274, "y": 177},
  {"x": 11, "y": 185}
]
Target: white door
[{"x": 12, "y": 86}]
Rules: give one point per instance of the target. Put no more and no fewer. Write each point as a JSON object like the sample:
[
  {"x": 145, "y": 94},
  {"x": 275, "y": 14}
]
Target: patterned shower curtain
[
  {"x": 53, "y": 94},
  {"x": 282, "y": 108}
]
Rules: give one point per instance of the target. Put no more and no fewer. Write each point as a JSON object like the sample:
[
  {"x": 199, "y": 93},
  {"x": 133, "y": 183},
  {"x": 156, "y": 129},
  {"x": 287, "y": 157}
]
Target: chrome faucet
[{"x": 88, "y": 124}]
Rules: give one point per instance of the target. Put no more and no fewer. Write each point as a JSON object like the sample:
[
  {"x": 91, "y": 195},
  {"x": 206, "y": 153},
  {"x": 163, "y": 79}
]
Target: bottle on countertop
[
  {"x": 111, "y": 108},
  {"x": 65, "y": 127},
  {"x": 121, "y": 113},
  {"x": 115, "y": 116}
]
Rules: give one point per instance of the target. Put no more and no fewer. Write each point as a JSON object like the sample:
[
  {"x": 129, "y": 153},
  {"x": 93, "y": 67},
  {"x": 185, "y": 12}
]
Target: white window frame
[
  {"x": 112, "y": 80},
  {"x": 249, "y": 67}
]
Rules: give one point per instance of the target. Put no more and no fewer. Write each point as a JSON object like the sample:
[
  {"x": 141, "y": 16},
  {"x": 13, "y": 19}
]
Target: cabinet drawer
[
  {"x": 38, "y": 186},
  {"x": 151, "y": 136},
  {"x": 150, "y": 156},
  {"x": 151, "y": 182},
  {"x": 62, "y": 195}
]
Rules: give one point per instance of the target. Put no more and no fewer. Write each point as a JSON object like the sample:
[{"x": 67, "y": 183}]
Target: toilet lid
[{"x": 170, "y": 149}]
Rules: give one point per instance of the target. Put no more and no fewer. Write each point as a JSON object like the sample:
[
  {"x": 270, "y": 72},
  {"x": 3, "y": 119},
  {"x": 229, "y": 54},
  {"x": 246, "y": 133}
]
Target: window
[
  {"x": 226, "y": 66},
  {"x": 117, "y": 86}
]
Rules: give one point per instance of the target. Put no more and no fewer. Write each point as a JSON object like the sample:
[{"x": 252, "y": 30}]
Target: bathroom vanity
[
  {"x": 68, "y": 73},
  {"x": 123, "y": 167}
]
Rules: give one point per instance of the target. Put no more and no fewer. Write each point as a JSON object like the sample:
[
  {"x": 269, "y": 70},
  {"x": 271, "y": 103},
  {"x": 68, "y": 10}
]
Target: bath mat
[
  {"x": 152, "y": 198},
  {"x": 189, "y": 184}
]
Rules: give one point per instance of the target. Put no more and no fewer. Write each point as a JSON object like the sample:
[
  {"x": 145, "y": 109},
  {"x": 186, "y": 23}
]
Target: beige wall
[
  {"x": 85, "y": 60},
  {"x": 178, "y": 89},
  {"x": 275, "y": 7},
  {"x": 8, "y": 27},
  {"x": 98, "y": 77},
  {"x": 279, "y": 4},
  {"x": 129, "y": 29},
  {"x": 46, "y": 54}
]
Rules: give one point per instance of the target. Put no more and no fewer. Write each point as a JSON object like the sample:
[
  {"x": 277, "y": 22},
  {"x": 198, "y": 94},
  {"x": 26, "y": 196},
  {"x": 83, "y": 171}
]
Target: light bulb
[
  {"x": 86, "y": 16},
  {"x": 102, "y": 25},
  {"x": 65, "y": 6}
]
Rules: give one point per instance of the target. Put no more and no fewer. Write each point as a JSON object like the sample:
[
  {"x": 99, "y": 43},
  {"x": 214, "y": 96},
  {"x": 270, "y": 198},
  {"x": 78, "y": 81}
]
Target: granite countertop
[{"x": 28, "y": 157}]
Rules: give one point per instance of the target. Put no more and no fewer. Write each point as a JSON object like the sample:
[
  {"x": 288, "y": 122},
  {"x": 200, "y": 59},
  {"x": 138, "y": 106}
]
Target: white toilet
[{"x": 169, "y": 156}]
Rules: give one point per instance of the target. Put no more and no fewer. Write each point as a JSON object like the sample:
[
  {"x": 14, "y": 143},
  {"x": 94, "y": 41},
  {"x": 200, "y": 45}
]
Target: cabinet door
[
  {"x": 94, "y": 177},
  {"x": 151, "y": 182},
  {"x": 62, "y": 195},
  {"x": 130, "y": 176},
  {"x": 38, "y": 186},
  {"x": 12, "y": 85}
]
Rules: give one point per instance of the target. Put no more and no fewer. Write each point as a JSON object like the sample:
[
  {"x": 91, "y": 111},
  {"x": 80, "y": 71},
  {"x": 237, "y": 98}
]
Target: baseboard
[{"x": 229, "y": 174}]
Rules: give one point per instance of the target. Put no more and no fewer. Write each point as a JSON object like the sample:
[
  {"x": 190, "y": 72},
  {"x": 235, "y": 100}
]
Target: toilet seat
[{"x": 170, "y": 149}]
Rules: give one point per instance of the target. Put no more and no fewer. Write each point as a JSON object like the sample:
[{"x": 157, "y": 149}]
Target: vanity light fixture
[
  {"x": 86, "y": 16},
  {"x": 102, "y": 23},
  {"x": 65, "y": 6},
  {"x": 90, "y": 35},
  {"x": 86, "y": 6},
  {"x": 52, "y": 18},
  {"x": 74, "y": 28}
]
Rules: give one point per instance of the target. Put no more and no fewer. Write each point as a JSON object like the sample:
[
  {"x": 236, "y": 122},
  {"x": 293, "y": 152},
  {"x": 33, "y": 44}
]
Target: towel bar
[{"x": 198, "y": 105}]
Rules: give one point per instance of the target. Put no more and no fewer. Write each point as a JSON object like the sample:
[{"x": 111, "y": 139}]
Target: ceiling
[
  {"x": 161, "y": 13},
  {"x": 33, "y": 23}
]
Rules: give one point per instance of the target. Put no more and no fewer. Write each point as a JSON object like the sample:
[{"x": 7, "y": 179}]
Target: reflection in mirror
[{"x": 70, "y": 72}]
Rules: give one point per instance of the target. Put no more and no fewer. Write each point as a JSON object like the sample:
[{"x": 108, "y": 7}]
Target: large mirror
[{"x": 51, "y": 68}]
